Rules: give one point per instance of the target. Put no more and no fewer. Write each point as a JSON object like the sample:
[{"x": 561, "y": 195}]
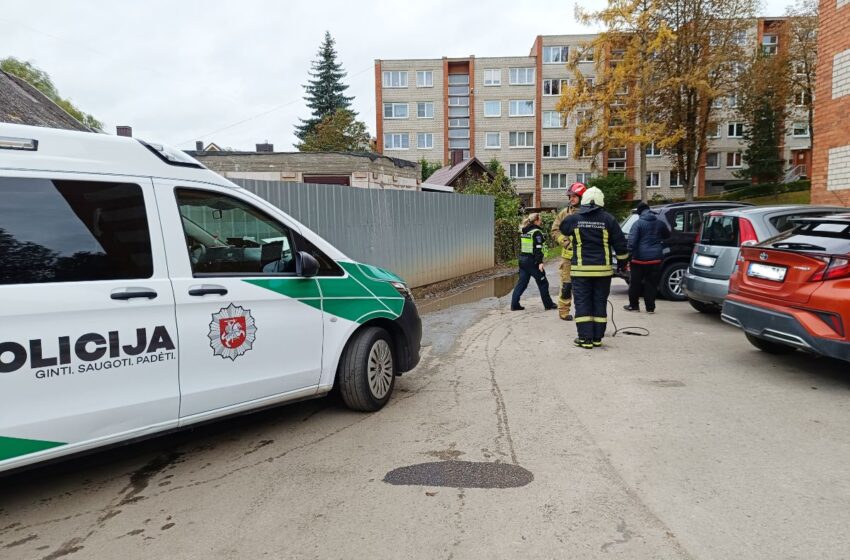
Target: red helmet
[{"x": 576, "y": 189}]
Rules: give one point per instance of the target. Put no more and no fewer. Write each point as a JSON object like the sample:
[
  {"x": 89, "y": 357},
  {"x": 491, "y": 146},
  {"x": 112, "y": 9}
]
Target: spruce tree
[{"x": 325, "y": 90}]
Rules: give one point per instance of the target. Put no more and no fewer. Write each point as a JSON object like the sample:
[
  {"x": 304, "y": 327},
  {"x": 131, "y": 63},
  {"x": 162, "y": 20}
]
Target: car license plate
[
  {"x": 705, "y": 260},
  {"x": 766, "y": 271}
]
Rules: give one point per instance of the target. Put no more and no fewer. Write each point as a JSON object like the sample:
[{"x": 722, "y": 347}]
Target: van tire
[
  {"x": 673, "y": 274},
  {"x": 369, "y": 351},
  {"x": 769, "y": 347},
  {"x": 703, "y": 307}
]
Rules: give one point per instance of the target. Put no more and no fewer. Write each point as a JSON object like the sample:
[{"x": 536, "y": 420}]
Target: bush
[
  {"x": 547, "y": 219},
  {"x": 616, "y": 189},
  {"x": 506, "y": 242}
]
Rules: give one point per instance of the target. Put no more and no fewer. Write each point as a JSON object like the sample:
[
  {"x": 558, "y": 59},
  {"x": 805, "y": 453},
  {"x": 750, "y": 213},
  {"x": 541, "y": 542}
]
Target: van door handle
[
  {"x": 133, "y": 293},
  {"x": 207, "y": 289}
]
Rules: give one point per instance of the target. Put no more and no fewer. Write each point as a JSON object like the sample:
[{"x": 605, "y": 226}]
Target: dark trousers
[
  {"x": 527, "y": 271},
  {"x": 590, "y": 299},
  {"x": 644, "y": 281}
]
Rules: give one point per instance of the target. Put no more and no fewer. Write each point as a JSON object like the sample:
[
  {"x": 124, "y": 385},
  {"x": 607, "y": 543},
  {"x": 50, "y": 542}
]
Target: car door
[
  {"x": 246, "y": 331},
  {"x": 88, "y": 340}
]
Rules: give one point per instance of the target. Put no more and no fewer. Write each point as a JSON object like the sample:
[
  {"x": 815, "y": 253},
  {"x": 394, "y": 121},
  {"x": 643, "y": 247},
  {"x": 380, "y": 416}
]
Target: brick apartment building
[
  {"x": 505, "y": 108},
  {"x": 831, "y": 176}
]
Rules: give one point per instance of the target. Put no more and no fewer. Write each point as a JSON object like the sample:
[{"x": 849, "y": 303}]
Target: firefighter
[
  {"x": 531, "y": 263},
  {"x": 566, "y": 295},
  {"x": 593, "y": 232}
]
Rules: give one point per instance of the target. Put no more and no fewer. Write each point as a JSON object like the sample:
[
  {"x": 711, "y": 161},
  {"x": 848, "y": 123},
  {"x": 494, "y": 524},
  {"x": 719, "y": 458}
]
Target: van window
[
  {"x": 720, "y": 231},
  {"x": 227, "y": 236},
  {"x": 72, "y": 231}
]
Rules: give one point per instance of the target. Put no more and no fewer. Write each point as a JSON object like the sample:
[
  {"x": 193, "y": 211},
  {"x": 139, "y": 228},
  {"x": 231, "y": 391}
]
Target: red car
[{"x": 793, "y": 291}]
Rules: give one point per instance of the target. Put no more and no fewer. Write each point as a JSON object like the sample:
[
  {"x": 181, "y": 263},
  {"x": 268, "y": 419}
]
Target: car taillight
[
  {"x": 837, "y": 267},
  {"x": 746, "y": 233}
]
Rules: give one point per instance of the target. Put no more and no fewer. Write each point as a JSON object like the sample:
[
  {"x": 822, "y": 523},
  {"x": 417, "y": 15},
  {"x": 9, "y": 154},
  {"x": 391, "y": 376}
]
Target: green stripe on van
[
  {"x": 362, "y": 295},
  {"x": 15, "y": 447}
]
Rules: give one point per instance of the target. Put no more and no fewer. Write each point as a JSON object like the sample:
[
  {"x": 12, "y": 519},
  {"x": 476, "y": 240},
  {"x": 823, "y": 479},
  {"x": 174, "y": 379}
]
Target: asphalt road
[{"x": 507, "y": 442}]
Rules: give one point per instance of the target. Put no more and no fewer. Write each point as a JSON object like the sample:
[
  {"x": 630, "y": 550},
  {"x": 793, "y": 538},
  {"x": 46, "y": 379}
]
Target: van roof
[{"x": 69, "y": 151}]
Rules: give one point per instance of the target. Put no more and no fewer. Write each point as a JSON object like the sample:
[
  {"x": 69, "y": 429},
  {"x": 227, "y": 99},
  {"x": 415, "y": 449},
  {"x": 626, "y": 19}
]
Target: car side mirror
[{"x": 306, "y": 265}]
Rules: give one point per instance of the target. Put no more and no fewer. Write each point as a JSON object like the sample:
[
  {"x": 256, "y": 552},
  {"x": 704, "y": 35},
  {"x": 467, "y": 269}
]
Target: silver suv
[{"x": 706, "y": 281}]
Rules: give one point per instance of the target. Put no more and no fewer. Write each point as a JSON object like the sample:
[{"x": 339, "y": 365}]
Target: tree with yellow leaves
[{"x": 618, "y": 108}]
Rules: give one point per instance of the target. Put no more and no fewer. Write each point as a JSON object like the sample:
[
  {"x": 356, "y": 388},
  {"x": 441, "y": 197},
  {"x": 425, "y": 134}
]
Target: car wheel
[
  {"x": 703, "y": 307},
  {"x": 671, "y": 282},
  {"x": 769, "y": 347},
  {"x": 367, "y": 370}
]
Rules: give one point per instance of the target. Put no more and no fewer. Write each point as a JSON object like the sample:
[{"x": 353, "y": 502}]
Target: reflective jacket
[
  {"x": 531, "y": 244},
  {"x": 593, "y": 233},
  {"x": 560, "y": 238}
]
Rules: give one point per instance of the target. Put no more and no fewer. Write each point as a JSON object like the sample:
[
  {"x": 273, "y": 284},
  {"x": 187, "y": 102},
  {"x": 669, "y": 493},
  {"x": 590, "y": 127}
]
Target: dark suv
[{"x": 685, "y": 221}]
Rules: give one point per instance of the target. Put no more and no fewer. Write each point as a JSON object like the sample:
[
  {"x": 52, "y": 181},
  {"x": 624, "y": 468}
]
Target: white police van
[{"x": 141, "y": 292}]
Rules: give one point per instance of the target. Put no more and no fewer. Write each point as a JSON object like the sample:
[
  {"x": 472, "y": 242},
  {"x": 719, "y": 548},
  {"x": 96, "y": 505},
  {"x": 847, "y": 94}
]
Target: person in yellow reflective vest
[
  {"x": 531, "y": 263},
  {"x": 593, "y": 234},
  {"x": 566, "y": 294}
]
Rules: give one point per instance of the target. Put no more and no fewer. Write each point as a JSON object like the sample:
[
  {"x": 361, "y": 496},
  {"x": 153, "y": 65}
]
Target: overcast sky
[{"x": 231, "y": 72}]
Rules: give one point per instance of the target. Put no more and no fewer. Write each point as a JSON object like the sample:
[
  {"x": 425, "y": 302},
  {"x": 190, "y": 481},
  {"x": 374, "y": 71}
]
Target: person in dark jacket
[
  {"x": 531, "y": 263},
  {"x": 645, "y": 248},
  {"x": 593, "y": 233}
]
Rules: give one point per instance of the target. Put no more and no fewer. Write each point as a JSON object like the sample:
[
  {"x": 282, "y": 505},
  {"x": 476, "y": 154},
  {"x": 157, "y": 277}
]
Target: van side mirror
[{"x": 306, "y": 265}]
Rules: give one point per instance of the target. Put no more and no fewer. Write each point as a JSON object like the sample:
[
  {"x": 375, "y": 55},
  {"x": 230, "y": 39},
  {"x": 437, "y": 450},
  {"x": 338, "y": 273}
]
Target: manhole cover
[{"x": 460, "y": 474}]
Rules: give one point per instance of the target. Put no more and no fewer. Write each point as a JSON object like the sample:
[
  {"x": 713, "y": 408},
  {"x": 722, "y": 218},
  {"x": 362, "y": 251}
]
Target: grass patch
[{"x": 799, "y": 197}]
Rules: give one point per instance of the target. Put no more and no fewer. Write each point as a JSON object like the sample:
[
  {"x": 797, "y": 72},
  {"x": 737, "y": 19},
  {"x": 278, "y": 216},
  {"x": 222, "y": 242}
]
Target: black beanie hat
[{"x": 641, "y": 207}]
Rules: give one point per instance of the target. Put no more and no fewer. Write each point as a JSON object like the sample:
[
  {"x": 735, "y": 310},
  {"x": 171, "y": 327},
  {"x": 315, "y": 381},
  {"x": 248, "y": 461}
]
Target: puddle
[
  {"x": 460, "y": 474},
  {"x": 494, "y": 287}
]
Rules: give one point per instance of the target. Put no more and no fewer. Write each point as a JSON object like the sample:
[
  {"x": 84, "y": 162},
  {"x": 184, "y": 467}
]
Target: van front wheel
[{"x": 367, "y": 370}]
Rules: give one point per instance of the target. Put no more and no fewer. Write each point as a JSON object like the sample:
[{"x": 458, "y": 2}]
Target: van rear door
[{"x": 88, "y": 338}]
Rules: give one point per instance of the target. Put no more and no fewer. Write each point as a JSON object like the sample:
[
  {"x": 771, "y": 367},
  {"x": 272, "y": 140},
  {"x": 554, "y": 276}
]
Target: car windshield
[
  {"x": 720, "y": 230},
  {"x": 818, "y": 237},
  {"x": 627, "y": 224}
]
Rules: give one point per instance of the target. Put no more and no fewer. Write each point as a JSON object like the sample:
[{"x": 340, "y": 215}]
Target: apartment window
[
  {"x": 583, "y": 178},
  {"x": 522, "y": 76},
  {"x": 676, "y": 179},
  {"x": 459, "y": 133},
  {"x": 802, "y": 98},
  {"x": 458, "y": 123},
  {"x": 396, "y": 141},
  {"x": 424, "y": 78},
  {"x": 458, "y": 101},
  {"x": 395, "y": 79},
  {"x": 739, "y": 38},
  {"x": 653, "y": 151},
  {"x": 770, "y": 44},
  {"x": 582, "y": 115},
  {"x": 800, "y": 130},
  {"x": 653, "y": 179},
  {"x": 554, "y": 180},
  {"x": 585, "y": 151},
  {"x": 493, "y": 77},
  {"x": 733, "y": 100},
  {"x": 521, "y": 108},
  {"x": 425, "y": 140},
  {"x": 555, "y": 150},
  {"x": 395, "y": 110},
  {"x": 735, "y": 130},
  {"x": 458, "y": 90},
  {"x": 493, "y": 140},
  {"x": 458, "y": 112},
  {"x": 717, "y": 103},
  {"x": 492, "y": 108},
  {"x": 521, "y": 139},
  {"x": 713, "y": 130},
  {"x": 459, "y": 79},
  {"x": 617, "y": 55},
  {"x": 586, "y": 55},
  {"x": 459, "y": 144},
  {"x": 734, "y": 159},
  {"x": 521, "y": 170},
  {"x": 555, "y": 55},
  {"x": 712, "y": 160},
  {"x": 551, "y": 119},
  {"x": 553, "y": 87},
  {"x": 617, "y": 159},
  {"x": 425, "y": 110}
]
